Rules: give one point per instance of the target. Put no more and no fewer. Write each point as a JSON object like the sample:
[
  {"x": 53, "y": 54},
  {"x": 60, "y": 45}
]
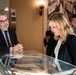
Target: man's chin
[{"x": 4, "y": 29}]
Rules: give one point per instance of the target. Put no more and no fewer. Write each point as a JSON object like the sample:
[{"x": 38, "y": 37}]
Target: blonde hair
[{"x": 63, "y": 23}]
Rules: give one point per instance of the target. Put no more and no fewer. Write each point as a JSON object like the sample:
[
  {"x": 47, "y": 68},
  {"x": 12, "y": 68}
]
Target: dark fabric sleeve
[
  {"x": 73, "y": 49},
  {"x": 4, "y": 50}
]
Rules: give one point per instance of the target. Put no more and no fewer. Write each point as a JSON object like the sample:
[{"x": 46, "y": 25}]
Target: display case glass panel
[
  {"x": 35, "y": 63},
  {"x": 3, "y": 69}
]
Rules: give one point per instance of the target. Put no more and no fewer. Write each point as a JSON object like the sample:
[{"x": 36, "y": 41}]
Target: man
[
  {"x": 8, "y": 45},
  {"x": 47, "y": 37},
  {"x": 73, "y": 21}
]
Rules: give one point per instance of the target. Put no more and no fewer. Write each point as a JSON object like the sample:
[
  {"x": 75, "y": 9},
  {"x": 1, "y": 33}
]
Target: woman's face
[{"x": 55, "y": 28}]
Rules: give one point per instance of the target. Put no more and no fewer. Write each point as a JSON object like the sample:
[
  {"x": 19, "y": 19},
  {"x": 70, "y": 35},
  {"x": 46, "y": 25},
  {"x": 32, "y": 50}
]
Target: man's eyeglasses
[{"x": 2, "y": 21}]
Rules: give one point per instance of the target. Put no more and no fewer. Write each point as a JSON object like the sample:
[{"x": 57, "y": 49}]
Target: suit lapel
[{"x": 2, "y": 39}]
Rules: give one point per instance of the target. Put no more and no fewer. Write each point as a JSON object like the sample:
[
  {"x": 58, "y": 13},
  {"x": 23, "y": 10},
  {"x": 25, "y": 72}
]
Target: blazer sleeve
[{"x": 73, "y": 49}]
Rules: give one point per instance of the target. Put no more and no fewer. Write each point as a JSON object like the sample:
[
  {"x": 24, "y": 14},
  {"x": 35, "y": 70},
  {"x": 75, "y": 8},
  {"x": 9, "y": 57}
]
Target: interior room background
[{"x": 30, "y": 26}]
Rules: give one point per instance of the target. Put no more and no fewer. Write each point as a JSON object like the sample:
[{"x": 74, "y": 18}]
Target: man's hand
[{"x": 18, "y": 49}]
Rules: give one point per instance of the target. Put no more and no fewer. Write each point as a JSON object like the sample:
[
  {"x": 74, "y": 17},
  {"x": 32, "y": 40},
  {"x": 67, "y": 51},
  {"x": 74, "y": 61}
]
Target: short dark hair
[
  {"x": 2, "y": 12},
  {"x": 74, "y": 15}
]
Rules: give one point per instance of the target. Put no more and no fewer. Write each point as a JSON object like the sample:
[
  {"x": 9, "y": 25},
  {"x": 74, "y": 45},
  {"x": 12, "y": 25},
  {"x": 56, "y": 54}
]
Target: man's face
[
  {"x": 74, "y": 21},
  {"x": 4, "y": 23}
]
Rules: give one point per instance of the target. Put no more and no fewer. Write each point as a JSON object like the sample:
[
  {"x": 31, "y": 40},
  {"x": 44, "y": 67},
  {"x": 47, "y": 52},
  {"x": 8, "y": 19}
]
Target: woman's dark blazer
[
  {"x": 67, "y": 51},
  {"x": 3, "y": 46}
]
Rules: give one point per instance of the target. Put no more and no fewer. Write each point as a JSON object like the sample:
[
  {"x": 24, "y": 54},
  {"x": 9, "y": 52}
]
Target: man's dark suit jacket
[
  {"x": 3, "y": 46},
  {"x": 46, "y": 39},
  {"x": 67, "y": 51}
]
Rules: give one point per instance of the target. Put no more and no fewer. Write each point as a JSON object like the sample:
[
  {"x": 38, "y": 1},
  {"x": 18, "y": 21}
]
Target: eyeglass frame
[{"x": 2, "y": 21}]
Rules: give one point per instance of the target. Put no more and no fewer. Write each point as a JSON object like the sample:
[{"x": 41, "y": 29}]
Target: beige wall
[{"x": 30, "y": 26}]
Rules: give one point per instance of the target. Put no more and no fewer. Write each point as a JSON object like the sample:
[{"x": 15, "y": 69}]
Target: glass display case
[
  {"x": 35, "y": 63},
  {"x": 3, "y": 69}
]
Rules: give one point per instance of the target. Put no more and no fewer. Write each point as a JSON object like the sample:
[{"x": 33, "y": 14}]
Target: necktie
[{"x": 7, "y": 39}]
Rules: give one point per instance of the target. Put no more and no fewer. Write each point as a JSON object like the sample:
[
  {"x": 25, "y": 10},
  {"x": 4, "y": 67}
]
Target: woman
[{"x": 63, "y": 46}]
